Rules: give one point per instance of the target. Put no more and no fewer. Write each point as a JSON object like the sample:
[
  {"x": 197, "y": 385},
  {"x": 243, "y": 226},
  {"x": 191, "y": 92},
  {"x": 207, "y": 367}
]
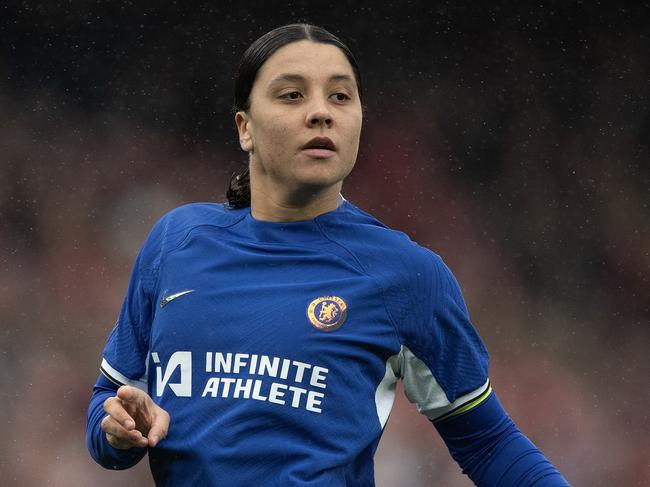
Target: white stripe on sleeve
[{"x": 117, "y": 376}]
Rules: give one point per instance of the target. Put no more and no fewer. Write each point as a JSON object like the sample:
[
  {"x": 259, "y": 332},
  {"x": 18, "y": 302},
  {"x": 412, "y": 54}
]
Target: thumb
[{"x": 159, "y": 426}]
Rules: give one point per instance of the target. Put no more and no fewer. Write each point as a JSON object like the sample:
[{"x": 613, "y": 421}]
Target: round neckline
[{"x": 288, "y": 231}]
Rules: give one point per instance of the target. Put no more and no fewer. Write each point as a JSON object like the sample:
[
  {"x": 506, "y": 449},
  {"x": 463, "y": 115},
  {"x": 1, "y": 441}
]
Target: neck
[{"x": 287, "y": 206}]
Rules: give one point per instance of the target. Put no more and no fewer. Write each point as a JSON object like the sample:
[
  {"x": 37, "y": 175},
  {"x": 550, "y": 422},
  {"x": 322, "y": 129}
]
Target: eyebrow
[{"x": 289, "y": 77}]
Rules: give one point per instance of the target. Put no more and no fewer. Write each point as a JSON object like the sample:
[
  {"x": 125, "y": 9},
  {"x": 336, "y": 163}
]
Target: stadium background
[{"x": 512, "y": 140}]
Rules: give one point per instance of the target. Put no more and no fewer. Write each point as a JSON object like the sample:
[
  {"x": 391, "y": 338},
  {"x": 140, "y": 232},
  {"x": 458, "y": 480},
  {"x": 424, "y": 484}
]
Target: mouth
[{"x": 319, "y": 148}]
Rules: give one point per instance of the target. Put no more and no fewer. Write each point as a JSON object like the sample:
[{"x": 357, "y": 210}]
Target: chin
[
  {"x": 317, "y": 184},
  {"x": 313, "y": 186},
  {"x": 322, "y": 176}
]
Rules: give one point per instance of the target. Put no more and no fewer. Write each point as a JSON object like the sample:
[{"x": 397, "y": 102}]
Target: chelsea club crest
[{"x": 327, "y": 313}]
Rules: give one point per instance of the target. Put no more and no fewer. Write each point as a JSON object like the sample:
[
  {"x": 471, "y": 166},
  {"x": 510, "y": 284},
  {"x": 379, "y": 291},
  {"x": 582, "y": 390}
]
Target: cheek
[
  {"x": 353, "y": 133},
  {"x": 354, "y": 120},
  {"x": 272, "y": 139}
]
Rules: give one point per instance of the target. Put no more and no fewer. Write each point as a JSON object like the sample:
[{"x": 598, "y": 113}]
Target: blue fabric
[
  {"x": 423, "y": 299},
  {"x": 493, "y": 452},
  {"x": 267, "y": 342}
]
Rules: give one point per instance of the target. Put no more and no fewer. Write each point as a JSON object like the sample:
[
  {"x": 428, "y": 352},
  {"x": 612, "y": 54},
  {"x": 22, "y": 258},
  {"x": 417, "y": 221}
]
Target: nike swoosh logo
[{"x": 171, "y": 297}]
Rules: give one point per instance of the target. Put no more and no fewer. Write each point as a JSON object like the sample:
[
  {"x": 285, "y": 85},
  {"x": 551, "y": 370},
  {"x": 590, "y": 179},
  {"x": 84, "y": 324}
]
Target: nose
[{"x": 319, "y": 115}]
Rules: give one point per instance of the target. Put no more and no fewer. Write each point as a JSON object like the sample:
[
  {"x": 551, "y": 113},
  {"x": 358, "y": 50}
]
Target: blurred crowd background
[{"x": 512, "y": 138}]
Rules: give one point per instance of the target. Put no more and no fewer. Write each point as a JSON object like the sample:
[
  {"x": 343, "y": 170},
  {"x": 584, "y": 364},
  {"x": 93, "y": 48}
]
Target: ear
[{"x": 245, "y": 137}]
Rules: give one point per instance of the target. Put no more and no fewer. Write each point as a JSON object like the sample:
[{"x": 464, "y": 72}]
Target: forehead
[{"x": 312, "y": 60}]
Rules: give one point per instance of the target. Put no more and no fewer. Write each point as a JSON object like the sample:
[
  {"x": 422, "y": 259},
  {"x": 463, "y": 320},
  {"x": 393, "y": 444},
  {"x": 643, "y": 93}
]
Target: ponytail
[{"x": 239, "y": 189}]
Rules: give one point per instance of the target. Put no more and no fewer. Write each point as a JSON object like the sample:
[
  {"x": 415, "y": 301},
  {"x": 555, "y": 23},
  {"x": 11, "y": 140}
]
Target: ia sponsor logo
[{"x": 178, "y": 360}]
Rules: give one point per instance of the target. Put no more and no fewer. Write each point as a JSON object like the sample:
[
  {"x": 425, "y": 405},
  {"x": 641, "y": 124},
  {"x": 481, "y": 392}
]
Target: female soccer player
[{"x": 260, "y": 341}]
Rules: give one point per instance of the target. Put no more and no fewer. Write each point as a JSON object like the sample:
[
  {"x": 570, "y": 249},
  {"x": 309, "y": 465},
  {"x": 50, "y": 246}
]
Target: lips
[
  {"x": 320, "y": 143},
  {"x": 319, "y": 148}
]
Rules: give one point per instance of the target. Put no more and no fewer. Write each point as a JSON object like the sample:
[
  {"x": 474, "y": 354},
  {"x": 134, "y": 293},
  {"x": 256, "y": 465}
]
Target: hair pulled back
[{"x": 239, "y": 192}]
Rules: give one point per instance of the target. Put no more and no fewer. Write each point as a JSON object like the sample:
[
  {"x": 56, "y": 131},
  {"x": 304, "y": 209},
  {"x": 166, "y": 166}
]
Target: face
[{"x": 303, "y": 125}]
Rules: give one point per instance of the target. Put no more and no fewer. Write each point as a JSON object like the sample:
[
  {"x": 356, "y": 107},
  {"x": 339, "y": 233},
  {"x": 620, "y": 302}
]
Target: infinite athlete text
[{"x": 297, "y": 395}]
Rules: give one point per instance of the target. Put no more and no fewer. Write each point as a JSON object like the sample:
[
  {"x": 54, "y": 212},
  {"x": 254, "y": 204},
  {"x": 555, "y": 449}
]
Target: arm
[
  {"x": 96, "y": 441},
  {"x": 118, "y": 417},
  {"x": 493, "y": 452},
  {"x": 443, "y": 365},
  {"x": 121, "y": 423}
]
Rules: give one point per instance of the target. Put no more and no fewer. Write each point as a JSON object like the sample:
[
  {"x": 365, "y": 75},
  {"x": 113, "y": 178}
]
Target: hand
[{"x": 134, "y": 420}]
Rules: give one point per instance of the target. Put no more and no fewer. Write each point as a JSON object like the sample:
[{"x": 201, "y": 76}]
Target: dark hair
[{"x": 239, "y": 193}]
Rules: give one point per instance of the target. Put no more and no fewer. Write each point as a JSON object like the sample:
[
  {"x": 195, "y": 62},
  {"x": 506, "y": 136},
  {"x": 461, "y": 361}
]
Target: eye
[
  {"x": 340, "y": 97},
  {"x": 291, "y": 96}
]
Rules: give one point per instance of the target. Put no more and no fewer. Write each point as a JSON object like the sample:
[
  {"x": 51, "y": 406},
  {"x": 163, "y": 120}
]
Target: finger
[
  {"x": 110, "y": 426},
  {"x": 131, "y": 394},
  {"x": 122, "y": 444},
  {"x": 114, "y": 407},
  {"x": 137, "y": 404},
  {"x": 159, "y": 426},
  {"x": 119, "y": 437}
]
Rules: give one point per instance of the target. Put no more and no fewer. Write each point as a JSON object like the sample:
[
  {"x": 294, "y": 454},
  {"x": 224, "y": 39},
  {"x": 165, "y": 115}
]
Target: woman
[{"x": 273, "y": 330}]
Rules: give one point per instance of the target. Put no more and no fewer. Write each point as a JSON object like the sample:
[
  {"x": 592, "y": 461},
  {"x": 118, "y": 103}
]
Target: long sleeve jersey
[{"x": 276, "y": 347}]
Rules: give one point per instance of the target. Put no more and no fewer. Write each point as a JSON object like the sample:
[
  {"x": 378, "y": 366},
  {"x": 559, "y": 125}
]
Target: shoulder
[
  {"x": 178, "y": 222},
  {"x": 381, "y": 249},
  {"x": 173, "y": 227},
  {"x": 192, "y": 215}
]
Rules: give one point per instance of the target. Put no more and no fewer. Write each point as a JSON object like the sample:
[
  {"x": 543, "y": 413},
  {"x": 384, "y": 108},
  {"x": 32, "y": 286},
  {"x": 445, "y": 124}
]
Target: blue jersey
[{"x": 276, "y": 347}]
